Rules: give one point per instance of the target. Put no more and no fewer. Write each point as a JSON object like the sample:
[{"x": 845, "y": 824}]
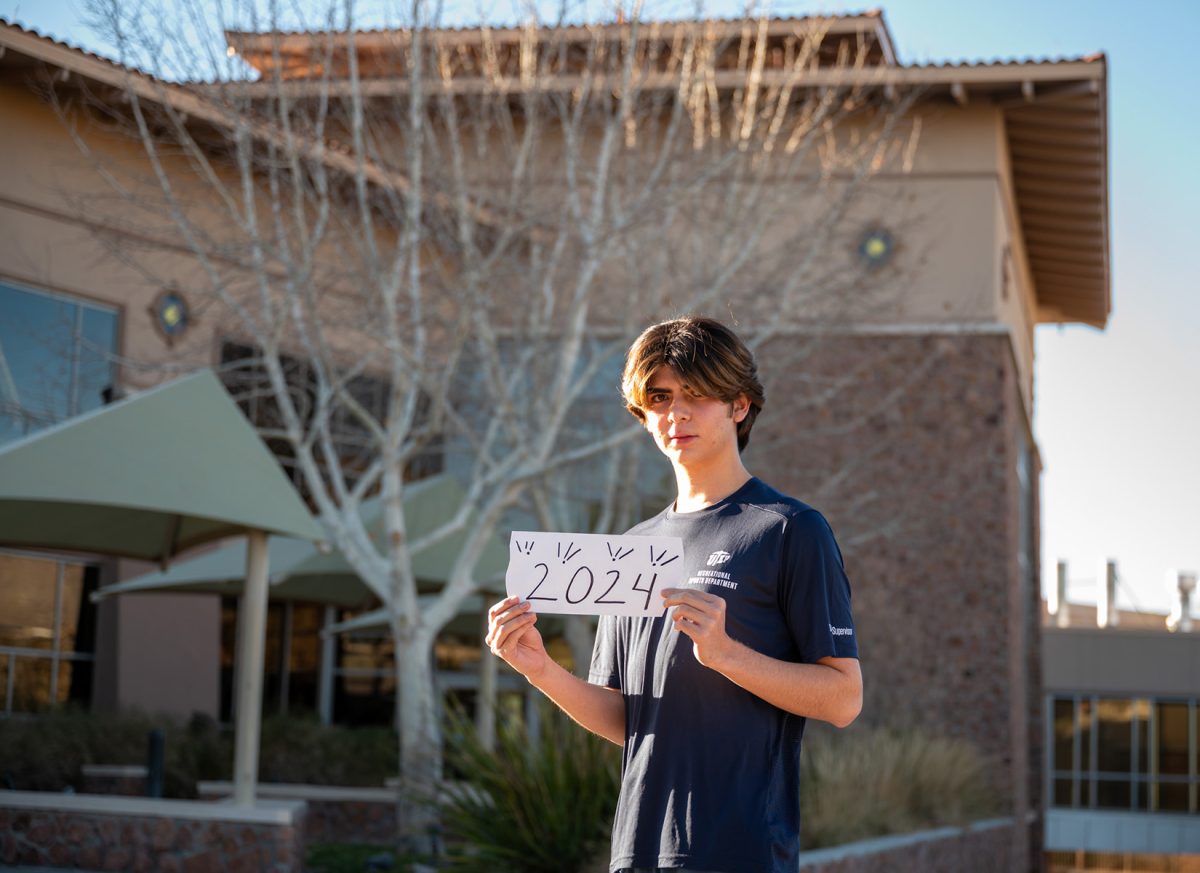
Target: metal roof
[{"x": 1055, "y": 115}]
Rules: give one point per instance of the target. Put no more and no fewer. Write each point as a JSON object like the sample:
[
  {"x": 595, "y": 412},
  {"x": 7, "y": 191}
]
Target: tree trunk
[{"x": 418, "y": 721}]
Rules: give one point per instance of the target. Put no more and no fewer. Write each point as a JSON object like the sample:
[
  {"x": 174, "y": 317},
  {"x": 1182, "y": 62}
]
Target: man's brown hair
[{"x": 710, "y": 359}]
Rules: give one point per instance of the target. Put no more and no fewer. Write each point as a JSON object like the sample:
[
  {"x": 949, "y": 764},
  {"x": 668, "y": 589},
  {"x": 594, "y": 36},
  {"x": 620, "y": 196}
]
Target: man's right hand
[{"x": 512, "y": 636}]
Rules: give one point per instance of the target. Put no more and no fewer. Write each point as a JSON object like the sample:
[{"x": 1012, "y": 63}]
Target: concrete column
[
  {"x": 1181, "y": 617},
  {"x": 325, "y": 677},
  {"x": 1106, "y": 602},
  {"x": 252, "y": 633},
  {"x": 1062, "y": 608}
]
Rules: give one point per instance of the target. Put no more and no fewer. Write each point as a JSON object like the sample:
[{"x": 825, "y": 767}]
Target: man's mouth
[{"x": 681, "y": 439}]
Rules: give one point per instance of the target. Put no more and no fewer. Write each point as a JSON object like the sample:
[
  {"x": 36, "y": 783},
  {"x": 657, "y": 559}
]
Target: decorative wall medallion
[
  {"x": 876, "y": 247},
  {"x": 171, "y": 314}
]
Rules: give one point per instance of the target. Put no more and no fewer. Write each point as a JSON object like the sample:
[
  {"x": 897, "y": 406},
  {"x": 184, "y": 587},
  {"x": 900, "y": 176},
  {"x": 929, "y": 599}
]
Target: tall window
[
  {"x": 292, "y": 657},
  {"x": 47, "y": 632},
  {"x": 1126, "y": 754},
  {"x": 246, "y": 380},
  {"x": 56, "y": 358}
]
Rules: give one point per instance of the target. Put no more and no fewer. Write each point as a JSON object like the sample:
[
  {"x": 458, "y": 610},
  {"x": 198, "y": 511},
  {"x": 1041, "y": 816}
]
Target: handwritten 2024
[{"x": 593, "y": 574}]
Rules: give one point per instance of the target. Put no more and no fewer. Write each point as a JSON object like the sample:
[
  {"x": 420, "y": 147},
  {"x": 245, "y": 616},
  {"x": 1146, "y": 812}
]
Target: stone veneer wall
[
  {"x": 78, "y": 832},
  {"x": 984, "y": 847},
  {"x": 332, "y": 813},
  {"x": 125, "y": 780},
  {"x": 907, "y": 444}
]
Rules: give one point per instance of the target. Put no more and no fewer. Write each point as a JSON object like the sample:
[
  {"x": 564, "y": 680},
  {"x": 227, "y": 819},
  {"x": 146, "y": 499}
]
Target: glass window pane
[
  {"x": 1172, "y": 797},
  {"x": 36, "y": 339},
  {"x": 306, "y": 657},
  {"x": 1113, "y": 794},
  {"x": 1172, "y": 730},
  {"x": 1062, "y": 792},
  {"x": 228, "y": 647},
  {"x": 27, "y": 586},
  {"x": 72, "y": 596},
  {"x": 1143, "y": 795},
  {"x": 1115, "y": 728},
  {"x": 1142, "y": 711},
  {"x": 75, "y": 683},
  {"x": 31, "y": 691},
  {"x": 273, "y": 655},
  {"x": 1085, "y": 735},
  {"x": 4, "y": 662},
  {"x": 1064, "y": 734},
  {"x": 96, "y": 348}
]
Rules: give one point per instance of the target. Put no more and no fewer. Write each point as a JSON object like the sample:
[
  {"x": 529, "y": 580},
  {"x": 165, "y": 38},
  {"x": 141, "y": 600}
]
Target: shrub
[
  {"x": 529, "y": 807},
  {"x": 870, "y": 782},
  {"x": 47, "y": 752},
  {"x": 301, "y": 749}
]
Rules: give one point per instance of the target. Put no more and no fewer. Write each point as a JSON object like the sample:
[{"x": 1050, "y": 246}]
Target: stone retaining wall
[
  {"x": 334, "y": 814},
  {"x": 983, "y": 847},
  {"x": 125, "y": 780},
  {"x": 138, "y": 835}
]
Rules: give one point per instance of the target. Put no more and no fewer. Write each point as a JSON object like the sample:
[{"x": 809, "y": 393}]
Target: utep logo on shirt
[{"x": 719, "y": 578}]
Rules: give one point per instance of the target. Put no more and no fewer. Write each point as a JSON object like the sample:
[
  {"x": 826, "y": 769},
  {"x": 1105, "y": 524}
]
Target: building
[
  {"x": 996, "y": 222},
  {"x": 1122, "y": 739}
]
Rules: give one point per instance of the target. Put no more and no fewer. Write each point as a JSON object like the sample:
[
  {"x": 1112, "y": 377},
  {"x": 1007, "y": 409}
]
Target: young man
[{"x": 710, "y": 700}]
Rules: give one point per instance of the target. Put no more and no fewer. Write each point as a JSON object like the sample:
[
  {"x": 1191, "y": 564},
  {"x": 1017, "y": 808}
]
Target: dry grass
[{"x": 870, "y": 782}]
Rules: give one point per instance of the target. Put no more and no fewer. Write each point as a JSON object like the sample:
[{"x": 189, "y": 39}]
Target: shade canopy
[
  {"x": 148, "y": 477},
  {"x": 302, "y": 572}
]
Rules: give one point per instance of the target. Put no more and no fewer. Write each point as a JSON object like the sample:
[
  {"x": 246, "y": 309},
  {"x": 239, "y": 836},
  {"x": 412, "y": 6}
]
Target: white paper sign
[{"x": 593, "y": 574}]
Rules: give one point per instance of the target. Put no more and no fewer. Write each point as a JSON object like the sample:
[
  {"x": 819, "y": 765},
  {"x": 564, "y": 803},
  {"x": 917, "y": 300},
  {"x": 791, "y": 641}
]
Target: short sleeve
[
  {"x": 604, "y": 669},
  {"x": 815, "y": 591}
]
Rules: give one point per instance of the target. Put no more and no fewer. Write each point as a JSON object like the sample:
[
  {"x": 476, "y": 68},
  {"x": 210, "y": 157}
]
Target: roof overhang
[
  {"x": 293, "y": 53},
  {"x": 1055, "y": 115}
]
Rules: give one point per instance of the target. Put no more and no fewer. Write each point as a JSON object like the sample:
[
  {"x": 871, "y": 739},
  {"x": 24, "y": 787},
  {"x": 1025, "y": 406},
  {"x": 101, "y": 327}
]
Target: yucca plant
[
  {"x": 529, "y": 806},
  {"x": 869, "y": 782}
]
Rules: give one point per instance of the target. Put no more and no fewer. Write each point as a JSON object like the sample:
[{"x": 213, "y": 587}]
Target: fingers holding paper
[
  {"x": 701, "y": 616},
  {"x": 511, "y": 635}
]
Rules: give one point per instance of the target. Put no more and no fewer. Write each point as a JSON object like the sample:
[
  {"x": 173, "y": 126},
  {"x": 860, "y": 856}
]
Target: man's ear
[{"x": 740, "y": 408}]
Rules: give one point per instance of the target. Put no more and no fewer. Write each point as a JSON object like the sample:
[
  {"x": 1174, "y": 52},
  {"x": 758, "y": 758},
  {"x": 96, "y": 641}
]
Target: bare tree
[{"x": 452, "y": 235}]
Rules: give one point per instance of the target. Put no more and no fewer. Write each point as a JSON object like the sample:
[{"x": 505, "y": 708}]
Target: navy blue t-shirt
[{"x": 710, "y": 775}]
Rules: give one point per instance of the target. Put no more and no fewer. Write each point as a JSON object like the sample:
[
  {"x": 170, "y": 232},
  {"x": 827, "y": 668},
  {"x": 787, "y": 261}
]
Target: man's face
[{"x": 690, "y": 430}]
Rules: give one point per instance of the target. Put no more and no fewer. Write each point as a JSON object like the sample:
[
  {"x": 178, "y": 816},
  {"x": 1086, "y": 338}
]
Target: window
[
  {"x": 1123, "y": 753},
  {"x": 292, "y": 657},
  {"x": 56, "y": 359},
  {"x": 246, "y": 380},
  {"x": 47, "y": 632}
]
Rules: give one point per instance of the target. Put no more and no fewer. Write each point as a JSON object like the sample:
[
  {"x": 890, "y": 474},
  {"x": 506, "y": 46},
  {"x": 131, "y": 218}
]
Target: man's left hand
[{"x": 701, "y": 616}]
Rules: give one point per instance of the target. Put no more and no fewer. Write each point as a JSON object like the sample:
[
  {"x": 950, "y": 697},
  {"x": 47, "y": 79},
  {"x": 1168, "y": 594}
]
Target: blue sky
[{"x": 1117, "y": 412}]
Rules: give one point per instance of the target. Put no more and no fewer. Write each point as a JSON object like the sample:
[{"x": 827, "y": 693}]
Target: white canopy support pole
[
  {"x": 485, "y": 700},
  {"x": 252, "y": 630},
  {"x": 325, "y": 677}
]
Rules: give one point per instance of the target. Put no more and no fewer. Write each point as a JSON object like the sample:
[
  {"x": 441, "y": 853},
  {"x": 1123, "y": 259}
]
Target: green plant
[
  {"x": 301, "y": 749},
  {"x": 343, "y": 857},
  {"x": 540, "y": 806},
  {"x": 47, "y": 752},
  {"x": 869, "y": 782}
]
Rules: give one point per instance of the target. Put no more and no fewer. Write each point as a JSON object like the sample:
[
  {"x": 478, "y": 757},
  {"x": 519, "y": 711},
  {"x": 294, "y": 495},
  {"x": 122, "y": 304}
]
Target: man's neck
[{"x": 701, "y": 488}]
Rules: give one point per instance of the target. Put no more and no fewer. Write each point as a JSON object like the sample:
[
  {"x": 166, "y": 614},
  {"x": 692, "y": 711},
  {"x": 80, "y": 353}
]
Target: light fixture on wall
[
  {"x": 171, "y": 314},
  {"x": 876, "y": 247}
]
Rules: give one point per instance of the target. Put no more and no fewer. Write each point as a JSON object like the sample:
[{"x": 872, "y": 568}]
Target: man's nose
[{"x": 680, "y": 409}]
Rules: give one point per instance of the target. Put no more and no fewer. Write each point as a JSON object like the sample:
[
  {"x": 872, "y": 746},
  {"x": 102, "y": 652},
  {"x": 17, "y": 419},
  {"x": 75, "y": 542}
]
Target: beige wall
[
  {"x": 1121, "y": 662},
  {"x": 949, "y": 205},
  {"x": 156, "y": 653}
]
